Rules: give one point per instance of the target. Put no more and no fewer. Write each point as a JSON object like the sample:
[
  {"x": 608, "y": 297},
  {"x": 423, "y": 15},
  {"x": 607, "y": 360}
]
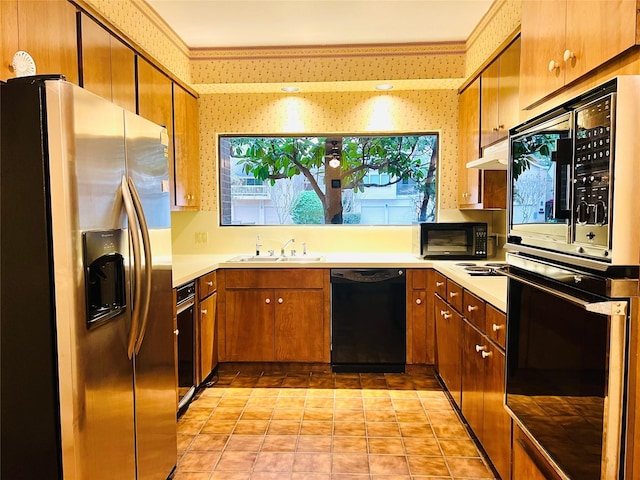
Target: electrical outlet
[{"x": 202, "y": 237}]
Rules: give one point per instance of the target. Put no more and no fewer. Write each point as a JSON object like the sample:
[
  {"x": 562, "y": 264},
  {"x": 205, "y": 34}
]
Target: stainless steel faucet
[
  {"x": 258, "y": 245},
  {"x": 291, "y": 240}
]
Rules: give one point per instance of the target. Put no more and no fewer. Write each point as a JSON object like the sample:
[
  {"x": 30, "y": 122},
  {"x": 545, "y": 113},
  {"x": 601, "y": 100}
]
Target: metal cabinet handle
[
  {"x": 481, "y": 348},
  {"x": 280, "y": 300},
  {"x": 418, "y": 301},
  {"x": 495, "y": 327},
  {"x": 453, "y": 294},
  {"x": 485, "y": 354},
  {"x": 439, "y": 284},
  {"x": 471, "y": 308},
  {"x": 267, "y": 300}
]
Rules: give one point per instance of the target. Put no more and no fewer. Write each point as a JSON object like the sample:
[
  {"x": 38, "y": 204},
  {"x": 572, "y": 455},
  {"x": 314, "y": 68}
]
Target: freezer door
[
  {"x": 154, "y": 373},
  {"x": 86, "y": 163}
]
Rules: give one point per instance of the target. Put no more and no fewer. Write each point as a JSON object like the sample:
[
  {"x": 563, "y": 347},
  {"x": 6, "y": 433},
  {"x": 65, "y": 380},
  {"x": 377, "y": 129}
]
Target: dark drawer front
[{"x": 474, "y": 309}]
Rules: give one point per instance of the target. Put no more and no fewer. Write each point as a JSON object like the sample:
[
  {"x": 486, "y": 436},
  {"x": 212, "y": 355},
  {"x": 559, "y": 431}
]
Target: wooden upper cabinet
[
  {"x": 187, "y": 150},
  {"x": 107, "y": 65},
  {"x": 469, "y": 146},
  {"x": 500, "y": 104},
  {"x": 563, "y": 40},
  {"x": 46, "y": 29}
]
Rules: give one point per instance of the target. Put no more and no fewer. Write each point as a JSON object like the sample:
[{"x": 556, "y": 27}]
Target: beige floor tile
[
  {"x": 407, "y": 404},
  {"x": 263, "y": 402},
  {"x": 385, "y": 446},
  {"x": 319, "y": 402},
  {"x": 312, "y": 462},
  {"x": 318, "y": 414},
  {"x": 256, "y": 413},
  {"x": 310, "y": 476},
  {"x": 286, "y": 402},
  {"x": 459, "y": 448},
  {"x": 350, "y": 463},
  {"x": 284, "y": 413},
  {"x": 349, "y": 445},
  {"x": 349, "y": 429},
  {"x": 274, "y": 462},
  {"x": 231, "y": 400},
  {"x": 348, "y": 402},
  {"x": 208, "y": 442},
  {"x": 451, "y": 431},
  {"x": 191, "y": 476},
  {"x": 190, "y": 427},
  {"x": 251, "y": 427},
  {"x": 293, "y": 392},
  {"x": 236, "y": 461},
  {"x": 198, "y": 462},
  {"x": 430, "y": 466},
  {"x": 376, "y": 393},
  {"x": 383, "y": 429},
  {"x": 314, "y": 443},
  {"x": 184, "y": 441},
  {"x": 230, "y": 476},
  {"x": 388, "y": 465},
  {"x": 348, "y": 415},
  {"x": 412, "y": 416},
  {"x": 377, "y": 403},
  {"x": 316, "y": 428},
  {"x": 279, "y": 443},
  {"x": 244, "y": 443},
  {"x": 468, "y": 468},
  {"x": 380, "y": 415},
  {"x": 219, "y": 426},
  {"x": 422, "y": 430},
  {"x": 422, "y": 446},
  {"x": 283, "y": 427},
  {"x": 227, "y": 413},
  {"x": 443, "y": 417}
]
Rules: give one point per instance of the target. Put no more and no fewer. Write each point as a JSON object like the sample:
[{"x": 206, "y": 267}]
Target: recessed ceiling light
[
  {"x": 290, "y": 89},
  {"x": 384, "y": 86}
]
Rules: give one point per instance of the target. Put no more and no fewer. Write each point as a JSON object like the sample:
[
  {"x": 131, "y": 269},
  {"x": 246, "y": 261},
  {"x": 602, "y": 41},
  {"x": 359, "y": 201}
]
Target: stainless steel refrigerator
[{"x": 88, "y": 384}]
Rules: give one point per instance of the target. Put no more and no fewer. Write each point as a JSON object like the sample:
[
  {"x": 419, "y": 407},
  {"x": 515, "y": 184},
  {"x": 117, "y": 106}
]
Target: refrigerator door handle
[
  {"x": 148, "y": 265},
  {"x": 137, "y": 268}
]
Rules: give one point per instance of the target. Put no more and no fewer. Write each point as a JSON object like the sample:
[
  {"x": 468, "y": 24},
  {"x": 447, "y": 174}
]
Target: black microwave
[{"x": 450, "y": 241}]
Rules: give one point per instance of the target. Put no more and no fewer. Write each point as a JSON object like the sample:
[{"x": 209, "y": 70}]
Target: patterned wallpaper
[
  {"x": 328, "y": 64},
  {"x": 336, "y": 112},
  {"x": 500, "y": 21},
  {"x": 137, "y": 20}
]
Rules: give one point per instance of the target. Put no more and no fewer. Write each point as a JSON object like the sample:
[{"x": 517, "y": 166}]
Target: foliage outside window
[{"x": 370, "y": 180}]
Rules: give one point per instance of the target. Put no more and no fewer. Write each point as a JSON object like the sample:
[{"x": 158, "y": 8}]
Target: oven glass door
[
  {"x": 540, "y": 186},
  {"x": 564, "y": 383}
]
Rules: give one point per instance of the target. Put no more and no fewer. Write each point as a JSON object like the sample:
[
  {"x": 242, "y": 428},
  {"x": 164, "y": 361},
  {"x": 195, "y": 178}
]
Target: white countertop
[{"x": 492, "y": 289}]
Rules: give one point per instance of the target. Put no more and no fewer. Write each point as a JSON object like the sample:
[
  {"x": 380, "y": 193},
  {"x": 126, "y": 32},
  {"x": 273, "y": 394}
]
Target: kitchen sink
[{"x": 274, "y": 259}]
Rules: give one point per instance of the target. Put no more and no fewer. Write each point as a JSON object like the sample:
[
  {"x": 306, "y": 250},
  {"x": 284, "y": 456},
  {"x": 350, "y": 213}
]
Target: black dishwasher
[{"x": 368, "y": 320}]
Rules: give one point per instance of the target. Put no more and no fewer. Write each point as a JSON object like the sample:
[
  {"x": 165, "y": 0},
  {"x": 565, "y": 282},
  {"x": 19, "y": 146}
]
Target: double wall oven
[{"x": 573, "y": 278}]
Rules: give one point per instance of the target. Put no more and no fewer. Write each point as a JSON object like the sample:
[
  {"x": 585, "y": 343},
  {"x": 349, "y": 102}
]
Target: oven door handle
[{"x": 609, "y": 308}]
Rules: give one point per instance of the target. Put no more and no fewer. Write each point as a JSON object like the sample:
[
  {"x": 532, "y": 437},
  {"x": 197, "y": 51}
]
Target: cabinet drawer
[
  {"x": 474, "y": 309},
  {"x": 496, "y": 325},
  {"x": 454, "y": 295},
  {"x": 275, "y": 278},
  {"x": 440, "y": 284},
  {"x": 207, "y": 284}
]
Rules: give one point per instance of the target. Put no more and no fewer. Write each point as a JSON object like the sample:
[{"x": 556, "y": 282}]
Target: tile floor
[{"x": 322, "y": 426}]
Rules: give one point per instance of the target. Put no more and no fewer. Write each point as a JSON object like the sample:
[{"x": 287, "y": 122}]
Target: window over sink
[{"x": 328, "y": 179}]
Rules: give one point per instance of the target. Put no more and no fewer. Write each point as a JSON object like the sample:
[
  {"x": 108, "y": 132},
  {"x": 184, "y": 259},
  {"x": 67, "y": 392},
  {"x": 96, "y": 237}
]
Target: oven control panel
[{"x": 593, "y": 157}]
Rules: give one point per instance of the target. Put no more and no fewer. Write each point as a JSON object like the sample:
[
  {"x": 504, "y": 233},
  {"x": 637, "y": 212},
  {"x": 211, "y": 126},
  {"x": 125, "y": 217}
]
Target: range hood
[{"x": 494, "y": 157}]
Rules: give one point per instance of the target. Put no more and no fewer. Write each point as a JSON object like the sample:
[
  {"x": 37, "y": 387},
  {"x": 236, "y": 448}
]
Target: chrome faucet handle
[
  {"x": 293, "y": 252},
  {"x": 271, "y": 252},
  {"x": 304, "y": 248},
  {"x": 258, "y": 244}
]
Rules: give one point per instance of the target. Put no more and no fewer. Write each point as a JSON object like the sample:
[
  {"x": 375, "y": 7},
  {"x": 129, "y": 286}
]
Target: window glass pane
[{"x": 367, "y": 180}]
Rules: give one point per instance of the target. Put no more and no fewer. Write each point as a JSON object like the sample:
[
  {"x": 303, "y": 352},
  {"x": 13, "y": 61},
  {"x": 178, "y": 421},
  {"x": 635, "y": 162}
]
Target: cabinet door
[
  {"x": 448, "y": 325},
  {"x": 597, "y": 30},
  {"x": 187, "y": 155},
  {"x": 489, "y": 120},
  {"x": 249, "y": 326},
  {"x": 543, "y": 41},
  {"x": 96, "y": 57},
  {"x": 123, "y": 75},
  {"x": 497, "y": 422},
  {"x": 473, "y": 372},
  {"x": 46, "y": 29},
  {"x": 509, "y": 90},
  {"x": 417, "y": 311},
  {"x": 469, "y": 145},
  {"x": 496, "y": 325},
  {"x": 299, "y": 325},
  {"x": 207, "y": 348},
  {"x": 155, "y": 98}
]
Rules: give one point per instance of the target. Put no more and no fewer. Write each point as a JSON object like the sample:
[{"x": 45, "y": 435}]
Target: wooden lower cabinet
[
  {"x": 448, "y": 353},
  {"x": 299, "y": 329},
  {"x": 207, "y": 348},
  {"x": 420, "y": 320},
  {"x": 276, "y": 315},
  {"x": 250, "y": 328},
  {"x": 528, "y": 463},
  {"x": 483, "y": 386}
]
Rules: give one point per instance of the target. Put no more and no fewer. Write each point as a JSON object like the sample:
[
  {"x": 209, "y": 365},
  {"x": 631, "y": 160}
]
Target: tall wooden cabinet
[
  {"x": 420, "y": 319},
  {"x": 186, "y": 129},
  {"x": 46, "y": 29},
  {"x": 499, "y": 93},
  {"x": 107, "y": 66},
  {"x": 469, "y": 192},
  {"x": 207, "y": 350},
  {"x": 563, "y": 40}
]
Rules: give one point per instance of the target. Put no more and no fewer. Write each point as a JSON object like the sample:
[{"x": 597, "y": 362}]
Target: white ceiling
[{"x": 264, "y": 23}]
